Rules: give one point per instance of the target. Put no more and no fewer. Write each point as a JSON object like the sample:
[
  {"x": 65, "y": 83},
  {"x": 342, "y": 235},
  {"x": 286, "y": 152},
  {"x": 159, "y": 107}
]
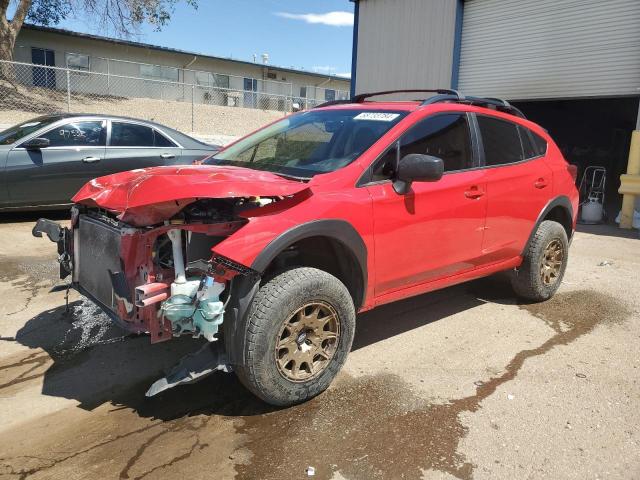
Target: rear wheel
[
  {"x": 544, "y": 263},
  {"x": 301, "y": 326}
]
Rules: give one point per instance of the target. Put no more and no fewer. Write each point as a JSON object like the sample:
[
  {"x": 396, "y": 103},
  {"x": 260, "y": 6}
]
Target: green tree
[{"x": 121, "y": 17}]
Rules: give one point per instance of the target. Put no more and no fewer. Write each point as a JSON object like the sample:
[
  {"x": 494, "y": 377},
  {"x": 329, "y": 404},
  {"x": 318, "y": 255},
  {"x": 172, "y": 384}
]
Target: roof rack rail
[
  {"x": 497, "y": 103},
  {"x": 363, "y": 96},
  {"x": 443, "y": 95}
]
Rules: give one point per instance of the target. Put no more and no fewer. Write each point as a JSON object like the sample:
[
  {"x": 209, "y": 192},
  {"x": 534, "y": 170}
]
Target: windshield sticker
[{"x": 377, "y": 116}]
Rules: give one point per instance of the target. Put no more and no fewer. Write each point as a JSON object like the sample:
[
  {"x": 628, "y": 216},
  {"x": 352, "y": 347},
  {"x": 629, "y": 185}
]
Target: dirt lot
[
  {"x": 25, "y": 103},
  {"x": 463, "y": 383}
]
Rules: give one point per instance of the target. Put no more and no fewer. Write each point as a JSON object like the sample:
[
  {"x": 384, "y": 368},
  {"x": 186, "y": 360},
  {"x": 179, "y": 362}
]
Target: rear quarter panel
[{"x": 563, "y": 181}]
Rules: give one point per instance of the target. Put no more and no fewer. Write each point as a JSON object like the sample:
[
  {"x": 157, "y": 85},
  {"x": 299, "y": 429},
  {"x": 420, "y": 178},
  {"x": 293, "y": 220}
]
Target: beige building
[
  {"x": 571, "y": 66},
  {"x": 110, "y": 64}
]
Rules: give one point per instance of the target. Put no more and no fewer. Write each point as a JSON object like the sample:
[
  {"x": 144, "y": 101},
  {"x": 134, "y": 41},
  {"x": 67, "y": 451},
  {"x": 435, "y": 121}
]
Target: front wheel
[
  {"x": 544, "y": 263},
  {"x": 301, "y": 326}
]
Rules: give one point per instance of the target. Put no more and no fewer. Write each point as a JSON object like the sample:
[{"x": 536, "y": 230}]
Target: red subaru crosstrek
[{"x": 270, "y": 248}]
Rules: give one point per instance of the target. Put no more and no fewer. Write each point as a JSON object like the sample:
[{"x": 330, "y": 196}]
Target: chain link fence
[{"x": 198, "y": 103}]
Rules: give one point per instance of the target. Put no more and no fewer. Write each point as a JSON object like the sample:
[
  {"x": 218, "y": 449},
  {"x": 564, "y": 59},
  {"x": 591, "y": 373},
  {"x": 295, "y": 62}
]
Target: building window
[
  {"x": 207, "y": 79},
  {"x": 303, "y": 92},
  {"x": 204, "y": 78},
  {"x": 221, "y": 81},
  {"x": 77, "y": 61},
  {"x": 156, "y": 71},
  {"x": 329, "y": 95}
]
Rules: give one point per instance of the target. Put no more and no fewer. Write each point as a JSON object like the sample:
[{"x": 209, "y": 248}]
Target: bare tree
[
  {"x": 120, "y": 17},
  {"x": 9, "y": 28}
]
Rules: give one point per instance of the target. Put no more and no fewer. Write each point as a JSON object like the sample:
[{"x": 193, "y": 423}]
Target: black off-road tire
[
  {"x": 274, "y": 304},
  {"x": 527, "y": 280}
]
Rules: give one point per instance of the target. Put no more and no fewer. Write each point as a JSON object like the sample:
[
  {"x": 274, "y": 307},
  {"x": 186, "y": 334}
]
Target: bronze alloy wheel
[
  {"x": 551, "y": 264},
  {"x": 307, "y": 341}
]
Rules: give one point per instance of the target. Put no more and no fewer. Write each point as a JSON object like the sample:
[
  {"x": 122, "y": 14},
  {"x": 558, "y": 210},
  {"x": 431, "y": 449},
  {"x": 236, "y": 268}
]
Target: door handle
[
  {"x": 473, "y": 192},
  {"x": 167, "y": 155},
  {"x": 540, "y": 183},
  {"x": 91, "y": 159}
]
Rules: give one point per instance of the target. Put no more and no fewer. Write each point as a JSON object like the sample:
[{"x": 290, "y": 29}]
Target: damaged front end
[{"x": 165, "y": 278}]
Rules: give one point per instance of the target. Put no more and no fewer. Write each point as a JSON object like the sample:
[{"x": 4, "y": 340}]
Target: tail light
[{"x": 573, "y": 171}]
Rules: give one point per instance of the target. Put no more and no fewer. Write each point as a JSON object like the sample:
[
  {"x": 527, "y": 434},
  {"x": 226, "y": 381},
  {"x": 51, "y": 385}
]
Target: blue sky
[{"x": 312, "y": 35}]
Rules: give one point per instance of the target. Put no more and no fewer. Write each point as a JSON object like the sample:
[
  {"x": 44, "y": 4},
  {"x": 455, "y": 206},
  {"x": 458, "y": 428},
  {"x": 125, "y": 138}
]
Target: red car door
[
  {"x": 436, "y": 229},
  {"x": 519, "y": 185}
]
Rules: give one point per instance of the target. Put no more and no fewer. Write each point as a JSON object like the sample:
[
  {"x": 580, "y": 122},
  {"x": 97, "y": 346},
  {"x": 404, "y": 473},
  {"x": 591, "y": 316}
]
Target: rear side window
[
  {"x": 161, "y": 141},
  {"x": 529, "y": 148},
  {"x": 532, "y": 143},
  {"x": 539, "y": 143},
  {"x": 131, "y": 135},
  {"x": 501, "y": 141}
]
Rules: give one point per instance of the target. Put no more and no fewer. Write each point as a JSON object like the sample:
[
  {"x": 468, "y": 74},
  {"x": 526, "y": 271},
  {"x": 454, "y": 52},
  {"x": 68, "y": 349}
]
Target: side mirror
[
  {"x": 36, "y": 143},
  {"x": 416, "y": 167}
]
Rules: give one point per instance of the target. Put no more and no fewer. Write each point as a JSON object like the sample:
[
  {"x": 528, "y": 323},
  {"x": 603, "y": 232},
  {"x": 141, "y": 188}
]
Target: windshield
[
  {"x": 310, "y": 143},
  {"x": 15, "y": 133}
]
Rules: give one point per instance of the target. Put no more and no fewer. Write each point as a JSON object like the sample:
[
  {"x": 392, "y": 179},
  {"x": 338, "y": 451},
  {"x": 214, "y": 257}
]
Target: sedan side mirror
[
  {"x": 416, "y": 167},
  {"x": 36, "y": 143}
]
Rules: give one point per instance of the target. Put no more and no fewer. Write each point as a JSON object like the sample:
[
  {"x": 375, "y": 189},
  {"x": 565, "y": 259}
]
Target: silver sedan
[{"x": 45, "y": 161}]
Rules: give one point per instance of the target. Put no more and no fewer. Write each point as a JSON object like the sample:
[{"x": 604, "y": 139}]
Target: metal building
[{"x": 572, "y": 66}]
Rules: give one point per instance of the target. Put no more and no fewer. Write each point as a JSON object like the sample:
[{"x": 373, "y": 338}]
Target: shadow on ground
[
  {"x": 364, "y": 427},
  {"x": 95, "y": 362},
  {"x": 609, "y": 230}
]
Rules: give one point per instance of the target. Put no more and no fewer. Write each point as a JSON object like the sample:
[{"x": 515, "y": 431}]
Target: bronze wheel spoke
[
  {"x": 327, "y": 335},
  {"x": 323, "y": 354},
  {"x": 308, "y": 340},
  {"x": 285, "y": 360},
  {"x": 288, "y": 341},
  {"x": 552, "y": 261}
]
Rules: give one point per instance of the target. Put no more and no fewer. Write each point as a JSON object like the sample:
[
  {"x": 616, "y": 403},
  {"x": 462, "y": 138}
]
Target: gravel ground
[
  {"x": 462, "y": 383},
  {"x": 207, "y": 119}
]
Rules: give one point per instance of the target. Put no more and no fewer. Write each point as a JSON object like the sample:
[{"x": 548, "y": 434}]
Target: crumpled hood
[{"x": 150, "y": 195}]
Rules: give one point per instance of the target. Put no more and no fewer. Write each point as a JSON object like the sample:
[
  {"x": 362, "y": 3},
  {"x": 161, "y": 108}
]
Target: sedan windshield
[
  {"x": 310, "y": 143},
  {"x": 15, "y": 133}
]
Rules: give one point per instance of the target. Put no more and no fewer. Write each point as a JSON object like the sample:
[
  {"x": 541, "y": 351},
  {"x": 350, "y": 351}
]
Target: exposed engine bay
[{"x": 162, "y": 279}]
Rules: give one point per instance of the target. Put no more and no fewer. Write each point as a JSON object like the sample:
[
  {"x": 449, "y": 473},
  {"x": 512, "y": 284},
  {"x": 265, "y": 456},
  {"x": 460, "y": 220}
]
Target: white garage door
[{"x": 535, "y": 49}]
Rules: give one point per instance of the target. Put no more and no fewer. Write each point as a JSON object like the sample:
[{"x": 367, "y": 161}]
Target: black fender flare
[
  {"x": 339, "y": 230},
  {"x": 560, "y": 201},
  {"x": 245, "y": 287}
]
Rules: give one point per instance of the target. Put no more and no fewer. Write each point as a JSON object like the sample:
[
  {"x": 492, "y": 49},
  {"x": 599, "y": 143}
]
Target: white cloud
[
  {"x": 334, "y": 19},
  {"x": 329, "y": 70},
  {"x": 324, "y": 69}
]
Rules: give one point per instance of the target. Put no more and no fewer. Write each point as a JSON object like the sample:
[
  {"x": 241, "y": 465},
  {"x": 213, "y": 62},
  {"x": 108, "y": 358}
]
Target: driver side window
[
  {"x": 446, "y": 136},
  {"x": 78, "y": 134}
]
